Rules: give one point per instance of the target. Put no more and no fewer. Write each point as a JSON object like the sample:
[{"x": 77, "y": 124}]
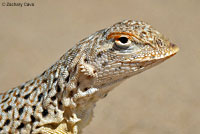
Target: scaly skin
[{"x": 61, "y": 100}]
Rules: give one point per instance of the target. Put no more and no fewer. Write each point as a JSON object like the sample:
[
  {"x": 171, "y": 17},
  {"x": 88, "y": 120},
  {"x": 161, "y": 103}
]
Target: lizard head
[
  {"x": 104, "y": 59},
  {"x": 101, "y": 61},
  {"x": 127, "y": 48}
]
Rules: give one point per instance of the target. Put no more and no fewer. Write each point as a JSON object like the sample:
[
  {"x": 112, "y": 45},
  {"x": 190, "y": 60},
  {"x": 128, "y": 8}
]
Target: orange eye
[{"x": 122, "y": 39}]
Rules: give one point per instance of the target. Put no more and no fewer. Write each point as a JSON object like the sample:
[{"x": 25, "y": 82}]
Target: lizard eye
[
  {"x": 122, "y": 42},
  {"x": 123, "y": 39}
]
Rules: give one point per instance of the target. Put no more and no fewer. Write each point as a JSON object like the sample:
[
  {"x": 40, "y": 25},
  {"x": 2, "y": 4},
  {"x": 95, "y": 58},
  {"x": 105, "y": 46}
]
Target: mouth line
[
  {"x": 143, "y": 59},
  {"x": 148, "y": 60}
]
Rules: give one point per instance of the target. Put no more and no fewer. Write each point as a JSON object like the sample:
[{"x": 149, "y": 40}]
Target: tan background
[{"x": 163, "y": 100}]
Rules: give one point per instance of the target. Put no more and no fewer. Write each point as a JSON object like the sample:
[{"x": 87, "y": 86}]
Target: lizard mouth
[
  {"x": 158, "y": 55},
  {"x": 142, "y": 63},
  {"x": 173, "y": 49}
]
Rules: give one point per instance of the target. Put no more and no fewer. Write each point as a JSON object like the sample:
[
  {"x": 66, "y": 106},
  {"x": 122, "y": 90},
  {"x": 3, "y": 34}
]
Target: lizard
[{"x": 61, "y": 100}]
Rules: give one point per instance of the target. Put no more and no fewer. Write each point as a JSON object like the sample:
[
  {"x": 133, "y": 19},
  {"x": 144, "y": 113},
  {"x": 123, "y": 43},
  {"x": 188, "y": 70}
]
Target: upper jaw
[
  {"x": 156, "y": 54},
  {"x": 168, "y": 52},
  {"x": 153, "y": 58},
  {"x": 173, "y": 49}
]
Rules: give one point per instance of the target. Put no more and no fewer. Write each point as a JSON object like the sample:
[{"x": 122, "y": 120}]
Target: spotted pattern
[{"x": 68, "y": 90}]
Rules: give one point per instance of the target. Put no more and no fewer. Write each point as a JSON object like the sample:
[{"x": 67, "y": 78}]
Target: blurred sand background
[{"x": 163, "y": 100}]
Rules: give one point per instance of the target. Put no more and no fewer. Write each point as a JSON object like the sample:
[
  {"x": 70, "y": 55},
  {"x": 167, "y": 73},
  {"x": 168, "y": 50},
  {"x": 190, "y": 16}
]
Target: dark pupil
[{"x": 123, "y": 39}]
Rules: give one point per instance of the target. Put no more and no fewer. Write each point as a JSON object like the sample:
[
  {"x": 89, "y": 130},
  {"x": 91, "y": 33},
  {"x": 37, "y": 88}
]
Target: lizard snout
[{"x": 174, "y": 47}]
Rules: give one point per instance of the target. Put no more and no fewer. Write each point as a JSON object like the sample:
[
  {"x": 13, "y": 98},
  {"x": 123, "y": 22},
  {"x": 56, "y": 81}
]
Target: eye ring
[{"x": 122, "y": 42}]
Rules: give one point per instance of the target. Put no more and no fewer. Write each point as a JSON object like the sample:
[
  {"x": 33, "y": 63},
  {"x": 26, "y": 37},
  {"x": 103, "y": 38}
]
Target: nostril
[{"x": 172, "y": 45}]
